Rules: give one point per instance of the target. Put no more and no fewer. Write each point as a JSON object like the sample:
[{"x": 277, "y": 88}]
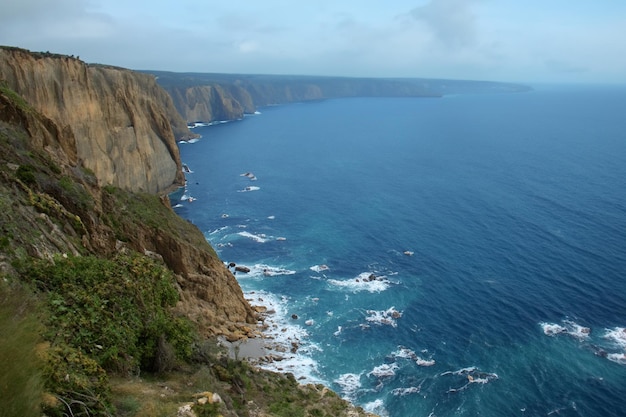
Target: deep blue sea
[{"x": 453, "y": 256}]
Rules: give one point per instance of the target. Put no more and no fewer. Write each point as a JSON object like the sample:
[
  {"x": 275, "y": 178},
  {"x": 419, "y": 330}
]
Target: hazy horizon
[{"x": 530, "y": 42}]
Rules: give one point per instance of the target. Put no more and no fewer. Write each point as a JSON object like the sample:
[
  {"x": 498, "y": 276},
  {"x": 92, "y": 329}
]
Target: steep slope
[
  {"x": 113, "y": 121},
  {"x": 144, "y": 158}
]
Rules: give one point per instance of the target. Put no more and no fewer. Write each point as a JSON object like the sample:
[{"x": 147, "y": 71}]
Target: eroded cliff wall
[{"x": 113, "y": 121}]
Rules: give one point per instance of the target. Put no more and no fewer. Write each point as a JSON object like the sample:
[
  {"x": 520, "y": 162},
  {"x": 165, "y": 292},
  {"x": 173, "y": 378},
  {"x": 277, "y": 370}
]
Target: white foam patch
[
  {"x": 350, "y": 385},
  {"x": 221, "y": 229},
  {"x": 260, "y": 238},
  {"x": 566, "y": 327},
  {"x": 617, "y": 357},
  {"x": 319, "y": 268},
  {"x": 248, "y": 189},
  {"x": 365, "y": 281},
  {"x": 387, "y": 317},
  {"x": 617, "y": 336},
  {"x": 424, "y": 362},
  {"x": 384, "y": 371},
  {"x": 401, "y": 392},
  {"x": 376, "y": 407},
  {"x": 406, "y": 353},
  {"x": 473, "y": 376},
  {"x": 264, "y": 270},
  {"x": 288, "y": 345}
]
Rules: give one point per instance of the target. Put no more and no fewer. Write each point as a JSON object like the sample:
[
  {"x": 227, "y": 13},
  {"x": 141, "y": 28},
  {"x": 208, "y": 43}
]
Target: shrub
[{"x": 115, "y": 311}]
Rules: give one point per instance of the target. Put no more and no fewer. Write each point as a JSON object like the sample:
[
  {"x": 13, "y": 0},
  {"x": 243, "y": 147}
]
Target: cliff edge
[{"x": 113, "y": 121}]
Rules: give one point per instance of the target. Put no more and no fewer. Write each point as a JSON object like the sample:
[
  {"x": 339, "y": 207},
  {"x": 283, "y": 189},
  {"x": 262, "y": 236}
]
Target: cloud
[{"x": 451, "y": 22}]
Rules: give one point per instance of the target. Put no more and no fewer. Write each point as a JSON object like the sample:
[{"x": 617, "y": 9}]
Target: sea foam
[{"x": 366, "y": 281}]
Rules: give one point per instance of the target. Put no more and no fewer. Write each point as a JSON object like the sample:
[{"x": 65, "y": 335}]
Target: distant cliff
[
  {"x": 118, "y": 123},
  {"x": 203, "y": 97}
]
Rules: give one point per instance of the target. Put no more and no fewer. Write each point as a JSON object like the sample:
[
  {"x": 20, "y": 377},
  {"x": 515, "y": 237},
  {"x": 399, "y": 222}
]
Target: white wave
[
  {"x": 350, "y": 385},
  {"x": 178, "y": 205},
  {"x": 401, "y": 392},
  {"x": 263, "y": 270},
  {"x": 218, "y": 230},
  {"x": 271, "y": 217},
  {"x": 617, "y": 357},
  {"x": 319, "y": 268},
  {"x": 193, "y": 140},
  {"x": 404, "y": 353},
  {"x": 568, "y": 327},
  {"x": 376, "y": 407},
  {"x": 472, "y": 375},
  {"x": 261, "y": 238},
  {"x": 287, "y": 343},
  {"x": 248, "y": 189},
  {"x": 365, "y": 281},
  {"x": 384, "y": 317},
  {"x": 338, "y": 332},
  {"x": 617, "y": 336},
  {"x": 384, "y": 371},
  {"x": 424, "y": 362}
]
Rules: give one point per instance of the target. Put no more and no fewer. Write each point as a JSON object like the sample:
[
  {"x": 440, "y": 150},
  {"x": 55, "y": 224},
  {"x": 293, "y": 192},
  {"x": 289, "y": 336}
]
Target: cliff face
[
  {"x": 112, "y": 121},
  {"x": 201, "y": 97},
  {"x": 88, "y": 126}
]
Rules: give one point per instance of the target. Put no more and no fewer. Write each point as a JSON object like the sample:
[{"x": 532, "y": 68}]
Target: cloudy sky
[{"x": 504, "y": 40}]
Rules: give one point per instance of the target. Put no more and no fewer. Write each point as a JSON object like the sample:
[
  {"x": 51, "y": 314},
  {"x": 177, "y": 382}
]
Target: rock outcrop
[{"x": 112, "y": 121}]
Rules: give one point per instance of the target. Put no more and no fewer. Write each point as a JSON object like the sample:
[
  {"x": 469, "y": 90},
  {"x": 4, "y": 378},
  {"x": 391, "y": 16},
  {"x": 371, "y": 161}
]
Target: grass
[{"x": 21, "y": 381}]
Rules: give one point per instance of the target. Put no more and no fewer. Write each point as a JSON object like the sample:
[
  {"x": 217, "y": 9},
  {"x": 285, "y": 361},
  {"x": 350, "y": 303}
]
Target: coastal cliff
[
  {"x": 201, "y": 97},
  {"x": 100, "y": 281},
  {"x": 103, "y": 126},
  {"x": 117, "y": 123}
]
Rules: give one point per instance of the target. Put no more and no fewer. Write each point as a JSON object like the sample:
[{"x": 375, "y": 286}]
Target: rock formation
[
  {"x": 112, "y": 121},
  {"x": 101, "y": 126}
]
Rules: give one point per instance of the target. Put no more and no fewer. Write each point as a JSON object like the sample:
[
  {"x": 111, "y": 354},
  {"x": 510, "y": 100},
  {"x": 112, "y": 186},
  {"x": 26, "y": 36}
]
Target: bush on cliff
[
  {"x": 116, "y": 311},
  {"x": 105, "y": 315}
]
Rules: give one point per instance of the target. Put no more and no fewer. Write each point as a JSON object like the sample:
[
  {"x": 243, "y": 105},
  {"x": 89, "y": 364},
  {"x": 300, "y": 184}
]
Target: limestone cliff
[{"x": 113, "y": 121}]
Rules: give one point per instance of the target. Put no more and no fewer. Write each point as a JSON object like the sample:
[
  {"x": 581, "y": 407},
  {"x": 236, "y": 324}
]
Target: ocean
[{"x": 452, "y": 256}]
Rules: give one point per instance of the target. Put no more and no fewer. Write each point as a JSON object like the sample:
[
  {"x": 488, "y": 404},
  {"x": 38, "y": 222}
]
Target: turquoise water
[{"x": 493, "y": 228}]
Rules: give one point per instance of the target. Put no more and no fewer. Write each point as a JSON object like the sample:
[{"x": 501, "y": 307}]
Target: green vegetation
[
  {"x": 106, "y": 315},
  {"x": 21, "y": 382},
  {"x": 14, "y": 97}
]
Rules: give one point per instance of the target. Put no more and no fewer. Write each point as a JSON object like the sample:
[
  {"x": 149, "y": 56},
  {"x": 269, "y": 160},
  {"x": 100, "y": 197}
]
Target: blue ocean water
[{"x": 455, "y": 256}]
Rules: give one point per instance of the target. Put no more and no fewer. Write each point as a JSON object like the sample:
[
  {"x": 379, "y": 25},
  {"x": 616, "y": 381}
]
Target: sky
[{"x": 569, "y": 41}]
